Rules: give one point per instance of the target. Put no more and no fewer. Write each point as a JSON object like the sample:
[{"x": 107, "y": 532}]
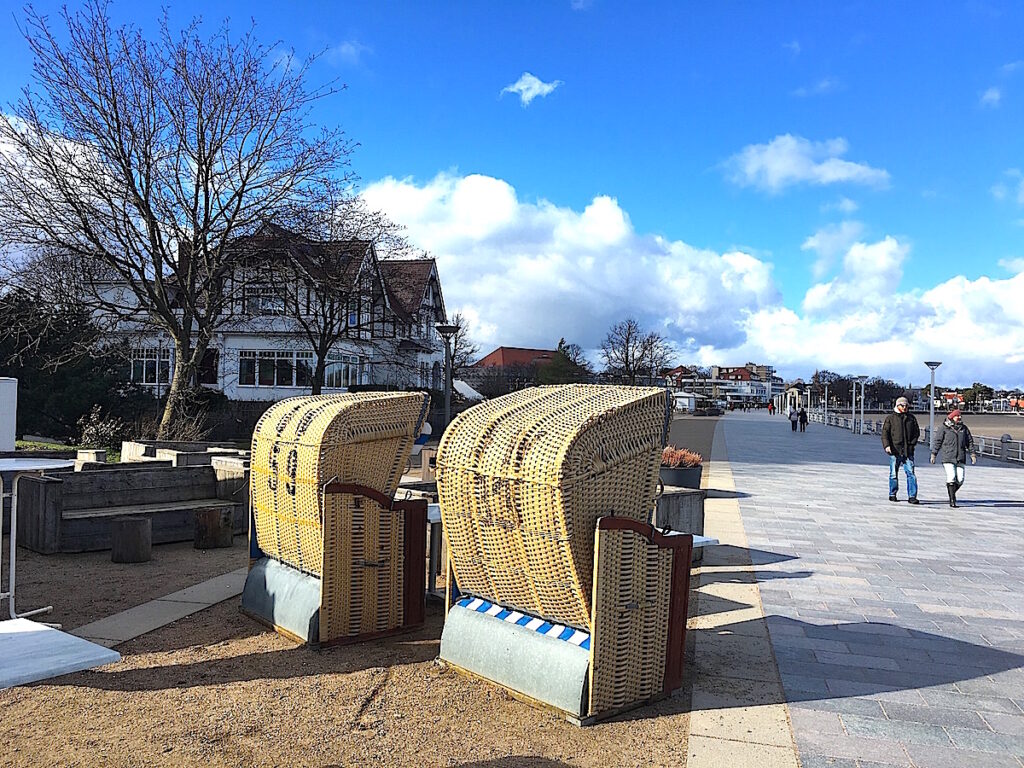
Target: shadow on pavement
[
  {"x": 727, "y": 554},
  {"x": 714, "y": 493},
  {"x": 832, "y": 661},
  {"x": 750, "y": 577}
]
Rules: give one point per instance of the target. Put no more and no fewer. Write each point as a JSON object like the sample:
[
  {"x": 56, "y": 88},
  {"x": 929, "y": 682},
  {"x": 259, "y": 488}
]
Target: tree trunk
[
  {"x": 182, "y": 381},
  {"x": 318, "y": 373}
]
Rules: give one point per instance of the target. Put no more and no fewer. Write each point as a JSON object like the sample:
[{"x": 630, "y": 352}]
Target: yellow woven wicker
[
  {"x": 522, "y": 480},
  {"x": 631, "y": 619},
  {"x": 353, "y": 544}
]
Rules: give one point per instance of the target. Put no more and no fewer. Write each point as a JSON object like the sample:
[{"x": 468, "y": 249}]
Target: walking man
[
  {"x": 802, "y": 417},
  {"x": 953, "y": 443},
  {"x": 900, "y": 434}
]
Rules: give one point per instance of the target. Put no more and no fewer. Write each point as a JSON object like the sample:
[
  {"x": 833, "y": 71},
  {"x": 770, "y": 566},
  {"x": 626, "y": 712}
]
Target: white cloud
[
  {"x": 530, "y": 87},
  {"x": 829, "y": 242},
  {"x": 1011, "y": 67},
  {"x": 1013, "y": 266},
  {"x": 580, "y": 5},
  {"x": 793, "y": 47},
  {"x": 823, "y": 86},
  {"x": 787, "y": 160},
  {"x": 347, "y": 53},
  {"x": 843, "y": 205},
  {"x": 991, "y": 97},
  {"x": 529, "y": 273},
  {"x": 1012, "y": 189}
]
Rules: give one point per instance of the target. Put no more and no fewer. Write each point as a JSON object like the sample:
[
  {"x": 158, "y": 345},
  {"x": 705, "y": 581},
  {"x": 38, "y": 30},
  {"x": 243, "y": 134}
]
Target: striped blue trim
[{"x": 570, "y": 635}]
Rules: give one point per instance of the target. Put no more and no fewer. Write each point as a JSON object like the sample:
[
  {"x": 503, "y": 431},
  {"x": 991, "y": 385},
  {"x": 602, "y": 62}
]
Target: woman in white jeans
[{"x": 953, "y": 443}]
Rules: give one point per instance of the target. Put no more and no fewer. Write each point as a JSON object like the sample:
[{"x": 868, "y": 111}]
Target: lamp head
[
  {"x": 446, "y": 330},
  {"x": 932, "y": 364}
]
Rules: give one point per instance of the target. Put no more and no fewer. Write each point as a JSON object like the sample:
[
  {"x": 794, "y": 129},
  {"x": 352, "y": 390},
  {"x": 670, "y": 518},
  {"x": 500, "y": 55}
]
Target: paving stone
[
  {"x": 895, "y": 730},
  {"x": 951, "y": 757},
  {"x": 1000, "y": 723},
  {"x": 896, "y": 710},
  {"x": 968, "y": 738},
  {"x": 932, "y": 630}
]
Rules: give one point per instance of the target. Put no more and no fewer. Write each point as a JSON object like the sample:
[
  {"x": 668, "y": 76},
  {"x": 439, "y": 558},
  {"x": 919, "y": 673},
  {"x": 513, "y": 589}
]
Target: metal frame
[{"x": 12, "y": 563}]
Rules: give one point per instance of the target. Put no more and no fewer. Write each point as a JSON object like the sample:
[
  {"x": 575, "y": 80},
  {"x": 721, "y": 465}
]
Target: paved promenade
[{"x": 898, "y": 631}]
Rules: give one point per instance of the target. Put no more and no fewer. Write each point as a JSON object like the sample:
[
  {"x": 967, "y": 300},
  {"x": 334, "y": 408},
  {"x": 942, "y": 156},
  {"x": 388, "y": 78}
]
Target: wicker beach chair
[
  {"x": 559, "y": 589},
  {"x": 332, "y": 556}
]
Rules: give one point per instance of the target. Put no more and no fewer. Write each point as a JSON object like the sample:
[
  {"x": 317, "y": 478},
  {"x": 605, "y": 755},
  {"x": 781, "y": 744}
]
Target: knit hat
[
  {"x": 954, "y": 413},
  {"x": 902, "y": 401}
]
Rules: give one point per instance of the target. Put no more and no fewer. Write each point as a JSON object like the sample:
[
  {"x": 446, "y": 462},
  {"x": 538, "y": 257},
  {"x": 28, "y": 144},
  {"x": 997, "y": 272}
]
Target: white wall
[{"x": 8, "y": 412}]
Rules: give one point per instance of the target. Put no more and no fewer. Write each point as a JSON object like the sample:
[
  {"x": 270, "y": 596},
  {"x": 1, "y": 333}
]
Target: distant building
[
  {"x": 504, "y": 357},
  {"x": 507, "y": 369},
  {"x": 740, "y": 385}
]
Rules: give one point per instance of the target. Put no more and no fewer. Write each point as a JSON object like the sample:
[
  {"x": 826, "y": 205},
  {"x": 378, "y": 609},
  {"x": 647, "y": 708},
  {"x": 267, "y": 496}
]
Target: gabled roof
[
  {"x": 336, "y": 260},
  {"x": 504, "y": 356},
  {"x": 407, "y": 281}
]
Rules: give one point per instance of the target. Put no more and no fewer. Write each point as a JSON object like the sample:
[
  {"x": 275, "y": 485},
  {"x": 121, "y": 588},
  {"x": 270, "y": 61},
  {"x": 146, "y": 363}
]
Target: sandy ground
[
  {"x": 217, "y": 689},
  {"x": 87, "y": 586}
]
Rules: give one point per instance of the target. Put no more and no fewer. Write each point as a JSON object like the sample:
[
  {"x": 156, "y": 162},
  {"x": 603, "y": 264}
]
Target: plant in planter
[{"x": 681, "y": 467}]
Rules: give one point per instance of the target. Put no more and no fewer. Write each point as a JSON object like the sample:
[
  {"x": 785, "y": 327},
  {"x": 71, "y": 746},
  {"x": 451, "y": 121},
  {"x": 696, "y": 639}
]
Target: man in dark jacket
[
  {"x": 953, "y": 443},
  {"x": 900, "y": 434}
]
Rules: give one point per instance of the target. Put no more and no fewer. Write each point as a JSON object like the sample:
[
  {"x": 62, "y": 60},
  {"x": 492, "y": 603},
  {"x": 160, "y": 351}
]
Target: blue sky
[{"x": 804, "y": 184}]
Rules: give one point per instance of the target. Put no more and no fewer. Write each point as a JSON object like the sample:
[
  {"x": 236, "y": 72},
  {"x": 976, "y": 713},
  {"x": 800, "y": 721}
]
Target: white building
[{"x": 264, "y": 350}]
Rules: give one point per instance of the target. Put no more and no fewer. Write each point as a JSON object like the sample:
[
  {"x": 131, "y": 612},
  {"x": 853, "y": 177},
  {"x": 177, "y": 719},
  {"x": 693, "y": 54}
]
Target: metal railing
[{"x": 1002, "y": 448}]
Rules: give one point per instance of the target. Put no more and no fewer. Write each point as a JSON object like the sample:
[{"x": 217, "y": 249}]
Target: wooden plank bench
[{"x": 72, "y": 511}]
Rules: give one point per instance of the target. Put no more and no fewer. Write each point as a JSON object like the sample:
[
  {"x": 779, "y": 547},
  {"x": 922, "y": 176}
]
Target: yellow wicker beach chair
[
  {"x": 559, "y": 589},
  {"x": 332, "y": 556}
]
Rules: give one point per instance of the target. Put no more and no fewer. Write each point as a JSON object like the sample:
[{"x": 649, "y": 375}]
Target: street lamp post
[
  {"x": 932, "y": 364},
  {"x": 447, "y": 331},
  {"x": 825, "y": 412},
  {"x": 853, "y": 405},
  {"x": 862, "y": 380}
]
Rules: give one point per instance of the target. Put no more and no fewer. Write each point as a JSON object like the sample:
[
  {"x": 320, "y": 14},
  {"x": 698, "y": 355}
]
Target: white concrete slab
[
  {"x": 30, "y": 652},
  {"x": 144, "y": 618}
]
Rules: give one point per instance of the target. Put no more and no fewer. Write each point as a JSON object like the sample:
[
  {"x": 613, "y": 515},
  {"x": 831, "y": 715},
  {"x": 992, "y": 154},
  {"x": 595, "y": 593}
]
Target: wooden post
[
  {"x": 131, "y": 539},
  {"x": 214, "y": 527}
]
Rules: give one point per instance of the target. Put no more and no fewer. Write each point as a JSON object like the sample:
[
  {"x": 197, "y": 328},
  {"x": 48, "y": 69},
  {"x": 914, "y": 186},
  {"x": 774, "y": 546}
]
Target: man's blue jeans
[{"x": 894, "y": 479}]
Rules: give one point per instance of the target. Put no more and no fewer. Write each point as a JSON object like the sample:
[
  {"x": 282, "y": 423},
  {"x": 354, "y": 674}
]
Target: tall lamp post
[
  {"x": 825, "y": 412},
  {"x": 862, "y": 380},
  {"x": 932, "y": 364},
  {"x": 853, "y": 403},
  {"x": 447, "y": 331}
]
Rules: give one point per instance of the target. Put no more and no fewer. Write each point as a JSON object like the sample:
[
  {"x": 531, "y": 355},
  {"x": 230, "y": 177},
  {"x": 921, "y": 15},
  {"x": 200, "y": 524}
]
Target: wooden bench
[{"x": 72, "y": 511}]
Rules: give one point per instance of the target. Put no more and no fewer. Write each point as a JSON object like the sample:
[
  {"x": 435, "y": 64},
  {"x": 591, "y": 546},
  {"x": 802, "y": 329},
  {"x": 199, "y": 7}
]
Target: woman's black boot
[{"x": 951, "y": 488}]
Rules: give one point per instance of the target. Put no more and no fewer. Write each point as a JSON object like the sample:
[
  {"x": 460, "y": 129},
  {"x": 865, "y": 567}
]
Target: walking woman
[{"x": 953, "y": 443}]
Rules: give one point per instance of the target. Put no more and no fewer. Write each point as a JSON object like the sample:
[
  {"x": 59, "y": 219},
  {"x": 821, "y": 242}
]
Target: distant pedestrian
[
  {"x": 793, "y": 418},
  {"x": 900, "y": 434},
  {"x": 953, "y": 443},
  {"x": 771, "y": 409},
  {"x": 802, "y": 417}
]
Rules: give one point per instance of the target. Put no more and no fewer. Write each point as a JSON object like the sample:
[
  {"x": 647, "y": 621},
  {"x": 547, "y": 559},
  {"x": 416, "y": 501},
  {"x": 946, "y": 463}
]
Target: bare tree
[
  {"x": 464, "y": 349},
  {"x": 632, "y": 354},
  {"x": 144, "y": 160}
]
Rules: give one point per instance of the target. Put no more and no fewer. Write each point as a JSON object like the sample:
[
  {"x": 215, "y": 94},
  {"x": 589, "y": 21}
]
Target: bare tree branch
[{"x": 143, "y": 161}]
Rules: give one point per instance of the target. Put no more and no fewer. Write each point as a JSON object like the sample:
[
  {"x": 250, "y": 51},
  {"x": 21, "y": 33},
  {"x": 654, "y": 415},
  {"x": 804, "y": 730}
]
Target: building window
[
  {"x": 208, "y": 367},
  {"x": 247, "y": 369},
  {"x": 275, "y": 368},
  {"x": 303, "y": 369},
  {"x": 264, "y": 300},
  {"x": 151, "y": 367},
  {"x": 343, "y": 371}
]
